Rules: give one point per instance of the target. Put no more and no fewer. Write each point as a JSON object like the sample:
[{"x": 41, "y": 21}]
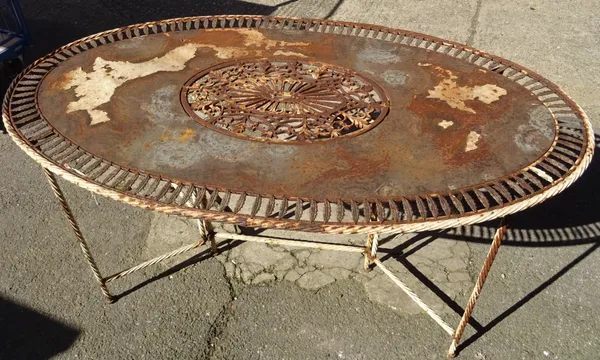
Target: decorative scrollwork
[{"x": 284, "y": 101}]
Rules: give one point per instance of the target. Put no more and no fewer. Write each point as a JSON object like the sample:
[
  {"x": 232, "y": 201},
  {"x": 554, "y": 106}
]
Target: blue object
[{"x": 14, "y": 35}]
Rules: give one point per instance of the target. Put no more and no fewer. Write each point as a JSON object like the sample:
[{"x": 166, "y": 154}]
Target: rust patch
[
  {"x": 65, "y": 79},
  {"x": 222, "y": 52},
  {"x": 352, "y": 172},
  {"x": 181, "y": 137},
  {"x": 187, "y": 134}
]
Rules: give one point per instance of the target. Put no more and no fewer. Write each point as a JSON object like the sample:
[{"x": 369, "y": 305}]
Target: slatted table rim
[{"x": 430, "y": 219}]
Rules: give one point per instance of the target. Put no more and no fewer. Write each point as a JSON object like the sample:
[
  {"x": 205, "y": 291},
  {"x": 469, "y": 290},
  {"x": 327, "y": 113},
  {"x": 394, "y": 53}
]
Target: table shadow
[
  {"x": 568, "y": 219},
  {"x": 222, "y": 246},
  {"x": 333, "y": 10},
  {"x": 421, "y": 240},
  {"x": 506, "y": 313},
  {"x": 28, "y": 334}
]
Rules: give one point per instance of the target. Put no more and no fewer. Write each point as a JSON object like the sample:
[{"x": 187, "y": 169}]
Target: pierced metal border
[{"x": 566, "y": 159}]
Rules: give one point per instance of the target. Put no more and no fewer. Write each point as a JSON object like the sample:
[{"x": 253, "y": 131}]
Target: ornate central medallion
[{"x": 284, "y": 101}]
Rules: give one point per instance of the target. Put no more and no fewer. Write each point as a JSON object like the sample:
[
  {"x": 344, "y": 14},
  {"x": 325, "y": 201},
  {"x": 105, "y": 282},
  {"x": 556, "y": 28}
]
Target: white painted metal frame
[{"x": 207, "y": 234}]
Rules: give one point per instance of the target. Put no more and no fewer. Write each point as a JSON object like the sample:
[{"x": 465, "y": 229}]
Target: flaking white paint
[
  {"x": 472, "y": 140},
  {"x": 445, "y": 124},
  {"x": 455, "y": 96},
  {"x": 97, "y": 87}
]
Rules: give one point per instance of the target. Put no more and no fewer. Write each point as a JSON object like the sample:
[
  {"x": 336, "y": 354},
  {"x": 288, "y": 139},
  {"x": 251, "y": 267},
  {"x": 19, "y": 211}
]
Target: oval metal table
[{"x": 298, "y": 124}]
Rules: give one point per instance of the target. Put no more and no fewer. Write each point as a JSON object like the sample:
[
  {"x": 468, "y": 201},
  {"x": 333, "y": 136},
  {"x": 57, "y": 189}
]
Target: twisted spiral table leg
[
  {"x": 371, "y": 249},
  {"x": 487, "y": 264},
  {"x": 371, "y": 245},
  {"x": 80, "y": 239},
  {"x": 207, "y": 233},
  {"x": 368, "y": 246}
]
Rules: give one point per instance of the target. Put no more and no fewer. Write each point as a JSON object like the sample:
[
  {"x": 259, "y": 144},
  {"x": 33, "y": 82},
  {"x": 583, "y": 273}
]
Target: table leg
[
  {"x": 206, "y": 229},
  {"x": 370, "y": 248},
  {"x": 489, "y": 260},
  {"x": 80, "y": 239},
  {"x": 372, "y": 243},
  {"x": 368, "y": 245},
  {"x": 207, "y": 233}
]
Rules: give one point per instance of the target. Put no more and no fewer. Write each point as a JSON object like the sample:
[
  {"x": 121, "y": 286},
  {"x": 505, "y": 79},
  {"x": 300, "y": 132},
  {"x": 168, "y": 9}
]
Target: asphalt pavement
[{"x": 540, "y": 302}]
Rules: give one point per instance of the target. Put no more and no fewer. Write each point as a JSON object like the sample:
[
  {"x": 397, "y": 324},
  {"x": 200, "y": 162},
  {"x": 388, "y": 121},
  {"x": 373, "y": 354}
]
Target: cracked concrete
[
  {"x": 444, "y": 262},
  {"x": 474, "y": 24}
]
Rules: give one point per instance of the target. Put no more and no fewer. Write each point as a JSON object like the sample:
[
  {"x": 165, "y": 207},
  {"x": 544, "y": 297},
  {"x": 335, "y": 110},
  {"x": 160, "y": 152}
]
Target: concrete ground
[{"x": 266, "y": 302}]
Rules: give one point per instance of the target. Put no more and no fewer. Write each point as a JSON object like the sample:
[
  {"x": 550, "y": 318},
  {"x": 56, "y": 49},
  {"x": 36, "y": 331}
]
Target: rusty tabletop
[{"x": 302, "y": 124}]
